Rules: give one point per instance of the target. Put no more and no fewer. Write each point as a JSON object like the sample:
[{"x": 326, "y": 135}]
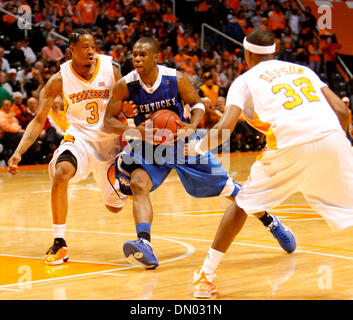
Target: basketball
[{"x": 166, "y": 121}]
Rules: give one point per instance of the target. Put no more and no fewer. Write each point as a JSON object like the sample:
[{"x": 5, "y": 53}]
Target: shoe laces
[
  {"x": 200, "y": 276},
  {"x": 280, "y": 234},
  {"x": 58, "y": 244}
]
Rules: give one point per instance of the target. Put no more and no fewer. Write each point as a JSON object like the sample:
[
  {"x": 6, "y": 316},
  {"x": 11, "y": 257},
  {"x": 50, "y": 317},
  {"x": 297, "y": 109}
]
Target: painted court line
[
  {"x": 77, "y": 261},
  {"x": 189, "y": 251},
  {"x": 114, "y": 274},
  {"x": 68, "y": 277}
]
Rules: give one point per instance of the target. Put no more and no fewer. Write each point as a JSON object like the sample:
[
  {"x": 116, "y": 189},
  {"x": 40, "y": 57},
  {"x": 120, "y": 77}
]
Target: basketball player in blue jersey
[{"x": 153, "y": 87}]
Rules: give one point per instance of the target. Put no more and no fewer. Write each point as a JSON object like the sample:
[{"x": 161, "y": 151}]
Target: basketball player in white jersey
[
  {"x": 86, "y": 84},
  {"x": 307, "y": 149}
]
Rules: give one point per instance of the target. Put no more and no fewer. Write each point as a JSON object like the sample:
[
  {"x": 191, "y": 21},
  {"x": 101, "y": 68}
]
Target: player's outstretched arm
[
  {"x": 51, "y": 90},
  {"x": 215, "y": 136},
  {"x": 338, "y": 106}
]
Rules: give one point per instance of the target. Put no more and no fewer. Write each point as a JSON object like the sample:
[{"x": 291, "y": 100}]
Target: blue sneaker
[
  {"x": 140, "y": 252},
  {"x": 283, "y": 235}
]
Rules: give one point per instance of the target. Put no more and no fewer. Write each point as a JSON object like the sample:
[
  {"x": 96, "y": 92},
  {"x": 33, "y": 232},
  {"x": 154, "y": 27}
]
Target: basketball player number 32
[
  {"x": 307, "y": 90},
  {"x": 93, "y": 107}
]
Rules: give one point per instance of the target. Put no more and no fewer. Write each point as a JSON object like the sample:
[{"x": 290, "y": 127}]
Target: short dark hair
[
  {"x": 151, "y": 42},
  {"x": 76, "y": 34},
  {"x": 261, "y": 37}
]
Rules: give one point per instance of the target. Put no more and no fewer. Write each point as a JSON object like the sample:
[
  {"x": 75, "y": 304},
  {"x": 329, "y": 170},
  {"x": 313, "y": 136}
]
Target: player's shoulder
[
  {"x": 132, "y": 76},
  {"x": 167, "y": 71},
  {"x": 104, "y": 57},
  {"x": 56, "y": 78},
  {"x": 54, "y": 84}
]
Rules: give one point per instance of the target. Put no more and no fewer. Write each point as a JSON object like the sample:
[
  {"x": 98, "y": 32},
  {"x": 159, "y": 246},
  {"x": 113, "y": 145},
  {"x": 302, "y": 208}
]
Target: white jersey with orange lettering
[
  {"x": 85, "y": 104},
  {"x": 284, "y": 101},
  {"x": 86, "y": 100}
]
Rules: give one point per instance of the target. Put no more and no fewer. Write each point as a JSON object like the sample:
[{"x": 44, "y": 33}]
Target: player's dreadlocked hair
[
  {"x": 261, "y": 37},
  {"x": 75, "y": 35}
]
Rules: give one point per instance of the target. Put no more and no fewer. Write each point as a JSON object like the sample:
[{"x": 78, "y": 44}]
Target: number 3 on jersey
[
  {"x": 307, "y": 90},
  {"x": 93, "y": 107}
]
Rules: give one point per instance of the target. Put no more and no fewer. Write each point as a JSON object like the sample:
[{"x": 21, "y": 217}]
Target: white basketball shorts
[{"x": 322, "y": 170}]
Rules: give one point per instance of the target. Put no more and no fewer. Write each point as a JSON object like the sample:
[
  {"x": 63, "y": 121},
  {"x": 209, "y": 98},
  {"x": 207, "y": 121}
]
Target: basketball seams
[
  {"x": 166, "y": 123},
  {"x": 154, "y": 118}
]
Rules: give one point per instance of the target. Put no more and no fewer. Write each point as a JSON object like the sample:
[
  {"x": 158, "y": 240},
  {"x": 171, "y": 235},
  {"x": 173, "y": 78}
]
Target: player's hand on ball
[
  {"x": 184, "y": 130},
  {"x": 129, "y": 109},
  {"x": 148, "y": 133}
]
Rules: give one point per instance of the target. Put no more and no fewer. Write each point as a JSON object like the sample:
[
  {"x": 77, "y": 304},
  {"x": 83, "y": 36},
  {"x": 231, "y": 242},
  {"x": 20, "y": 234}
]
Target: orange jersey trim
[{"x": 93, "y": 76}]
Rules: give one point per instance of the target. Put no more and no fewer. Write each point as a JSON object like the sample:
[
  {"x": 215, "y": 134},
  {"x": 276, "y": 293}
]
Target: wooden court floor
[{"x": 255, "y": 267}]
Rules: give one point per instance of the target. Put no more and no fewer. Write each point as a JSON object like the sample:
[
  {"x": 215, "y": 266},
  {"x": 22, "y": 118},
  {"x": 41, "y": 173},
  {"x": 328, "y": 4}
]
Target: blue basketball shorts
[{"x": 202, "y": 176}]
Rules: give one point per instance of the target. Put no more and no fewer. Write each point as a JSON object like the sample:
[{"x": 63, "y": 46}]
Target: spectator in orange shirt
[
  {"x": 114, "y": 13},
  {"x": 188, "y": 67},
  {"x": 57, "y": 117},
  {"x": 180, "y": 57},
  {"x": 10, "y": 130},
  {"x": 169, "y": 17},
  {"x": 87, "y": 12},
  {"x": 277, "y": 21},
  {"x": 330, "y": 57},
  {"x": 233, "y": 4},
  {"x": 209, "y": 89},
  {"x": 202, "y": 9},
  {"x": 17, "y": 108},
  {"x": 190, "y": 41},
  {"x": 152, "y": 6},
  {"x": 315, "y": 53}
]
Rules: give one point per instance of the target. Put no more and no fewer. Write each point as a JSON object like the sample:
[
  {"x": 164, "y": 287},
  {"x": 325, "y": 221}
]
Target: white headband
[{"x": 259, "y": 49}]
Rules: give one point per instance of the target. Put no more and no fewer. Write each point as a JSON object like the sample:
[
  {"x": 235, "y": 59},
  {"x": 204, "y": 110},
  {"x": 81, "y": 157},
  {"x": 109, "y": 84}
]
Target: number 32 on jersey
[{"x": 307, "y": 90}]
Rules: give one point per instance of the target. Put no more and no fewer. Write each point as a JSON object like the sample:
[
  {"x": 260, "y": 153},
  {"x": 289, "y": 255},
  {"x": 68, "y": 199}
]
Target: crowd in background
[{"x": 28, "y": 58}]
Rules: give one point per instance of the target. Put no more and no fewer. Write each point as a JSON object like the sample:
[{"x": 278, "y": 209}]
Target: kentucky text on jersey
[
  {"x": 155, "y": 106},
  {"x": 162, "y": 95},
  {"x": 89, "y": 94},
  {"x": 272, "y": 74}
]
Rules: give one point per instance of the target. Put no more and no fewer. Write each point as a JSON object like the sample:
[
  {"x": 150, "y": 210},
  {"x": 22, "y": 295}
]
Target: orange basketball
[{"x": 166, "y": 121}]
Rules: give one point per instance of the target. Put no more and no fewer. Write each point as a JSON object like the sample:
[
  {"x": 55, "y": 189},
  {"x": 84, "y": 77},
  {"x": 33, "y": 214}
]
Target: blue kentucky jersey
[{"x": 162, "y": 95}]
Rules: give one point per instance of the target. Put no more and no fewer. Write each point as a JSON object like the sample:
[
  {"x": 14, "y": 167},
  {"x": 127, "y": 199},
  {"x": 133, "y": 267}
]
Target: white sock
[
  {"x": 212, "y": 261},
  {"x": 59, "y": 230}
]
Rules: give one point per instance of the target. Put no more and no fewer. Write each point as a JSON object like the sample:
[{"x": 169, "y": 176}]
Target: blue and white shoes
[
  {"x": 282, "y": 234},
  {"x": 140, "y": 252}
]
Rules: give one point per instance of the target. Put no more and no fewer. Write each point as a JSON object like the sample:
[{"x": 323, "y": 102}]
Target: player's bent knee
[
  {"x": 64, "y": 172},
  {"x": 139, "y": 184},
  {"x": 113, "y": 209}
]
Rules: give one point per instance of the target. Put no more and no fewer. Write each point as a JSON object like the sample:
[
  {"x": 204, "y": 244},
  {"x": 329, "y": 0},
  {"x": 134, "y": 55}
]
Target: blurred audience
[{"x": 27, "y": 62}]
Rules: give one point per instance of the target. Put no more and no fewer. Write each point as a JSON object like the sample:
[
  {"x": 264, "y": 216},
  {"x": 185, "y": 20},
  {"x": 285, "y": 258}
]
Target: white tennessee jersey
[
  {"x": 284, "y": 101},
  {"x": 86, "y": 100}
]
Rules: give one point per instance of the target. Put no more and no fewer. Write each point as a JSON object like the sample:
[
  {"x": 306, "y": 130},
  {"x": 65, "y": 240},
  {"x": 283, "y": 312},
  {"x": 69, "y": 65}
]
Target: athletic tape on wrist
[{"x": 199, "y": 105}]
